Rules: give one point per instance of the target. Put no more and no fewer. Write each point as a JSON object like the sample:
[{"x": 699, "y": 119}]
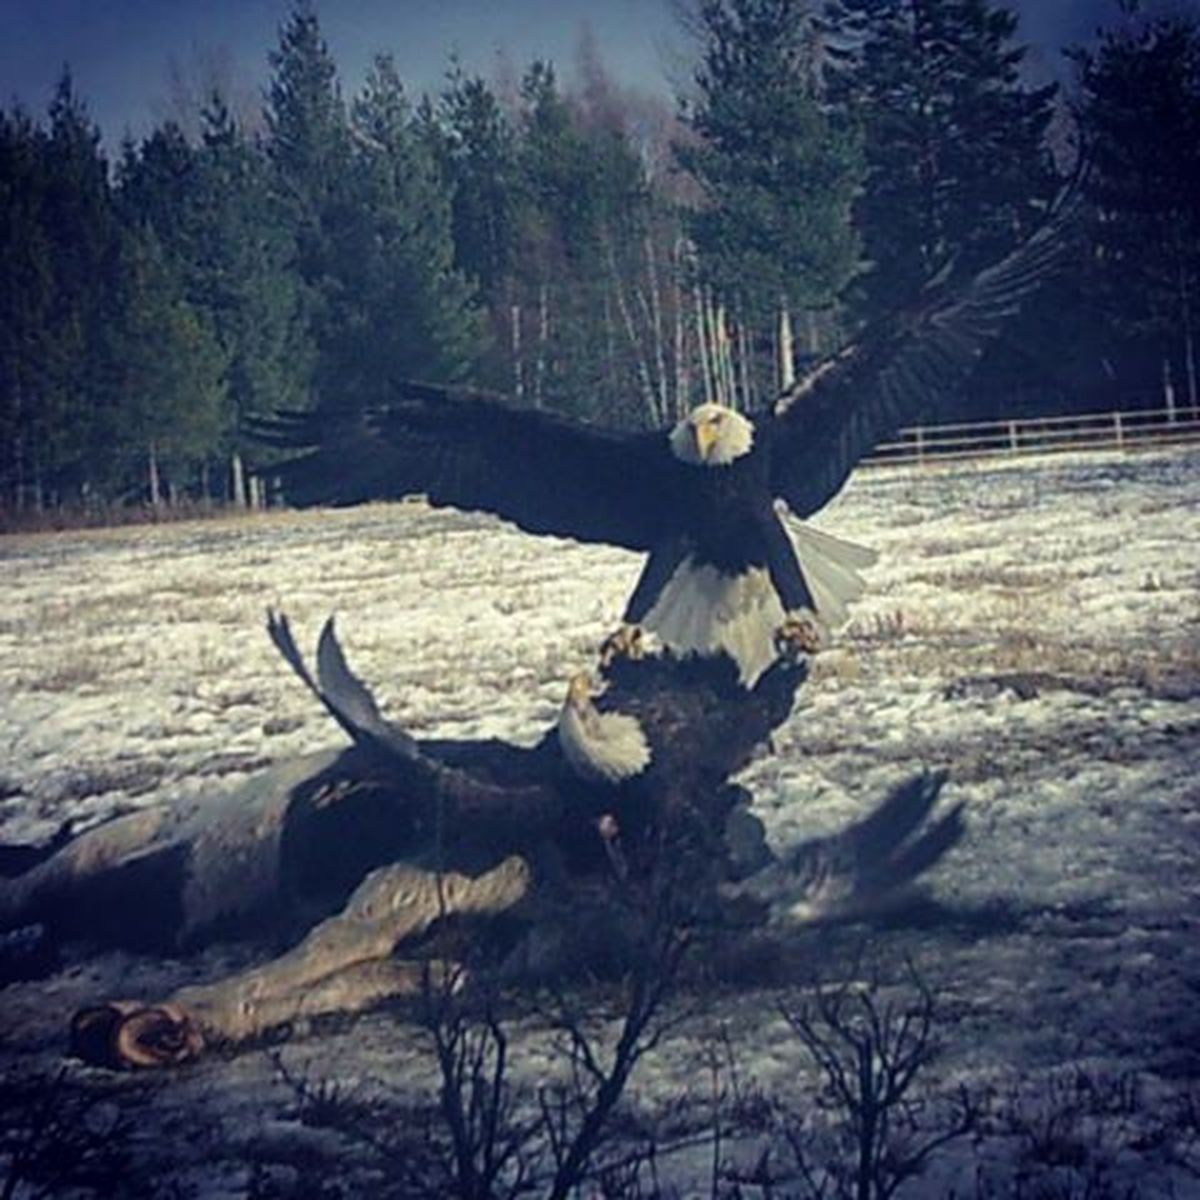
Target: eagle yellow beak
[{"x": 706, "y": 438}]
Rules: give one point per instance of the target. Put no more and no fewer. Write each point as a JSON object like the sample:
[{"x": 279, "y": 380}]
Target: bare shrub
[
  {"x": 576, "y": 1115},
  {"x": 490, "y": 1143},
  {"x": 881, "y": 1127},
  {"x": 57, "y": 1136},
  {"x": 1070, "y": 1131},
  {"x": 495, "y": 1134}
]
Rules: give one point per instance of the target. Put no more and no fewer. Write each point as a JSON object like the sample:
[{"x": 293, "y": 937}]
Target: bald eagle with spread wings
[{"x": 704, "y": 500}]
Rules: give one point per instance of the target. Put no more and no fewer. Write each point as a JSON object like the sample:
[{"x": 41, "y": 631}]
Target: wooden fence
[{"x": 1135, "y": 429}]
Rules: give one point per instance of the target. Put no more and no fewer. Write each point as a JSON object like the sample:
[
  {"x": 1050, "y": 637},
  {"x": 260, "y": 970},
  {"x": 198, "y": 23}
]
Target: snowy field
[{"x": 1033, "y": 627}]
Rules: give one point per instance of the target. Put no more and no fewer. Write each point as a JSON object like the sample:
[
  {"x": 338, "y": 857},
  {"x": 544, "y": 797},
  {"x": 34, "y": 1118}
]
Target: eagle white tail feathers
[
  {"x": 702, "y": 611},
  {"x": 831, "y": 568}
]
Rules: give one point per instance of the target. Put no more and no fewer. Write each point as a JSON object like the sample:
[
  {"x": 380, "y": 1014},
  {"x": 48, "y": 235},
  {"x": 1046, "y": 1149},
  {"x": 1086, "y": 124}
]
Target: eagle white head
[
  {"x": 607, "y": 747},
  {"x": 712, "y": 436}
]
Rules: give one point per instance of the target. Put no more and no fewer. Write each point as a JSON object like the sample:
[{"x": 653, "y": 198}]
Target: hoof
[{"x": 124, "y": 1035}]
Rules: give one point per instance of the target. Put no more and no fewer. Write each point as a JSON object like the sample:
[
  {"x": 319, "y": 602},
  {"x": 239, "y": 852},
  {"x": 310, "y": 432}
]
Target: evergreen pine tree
[
  {"x": 402, "y": 308},
  {"x": 307, "y": 135},
  {"x": 217, "y": 230},
  {"x": 958, "y": 169},
  {"x": 371, "y": 221},
  {"x": 308, "y": 147},
  {"x": 777, "y": 172},
  {"x": 163, "y": 373},
  {"x": 242, "y": 273},
  {"x": 560, "y": 169},
  {"x": 474, "y": 145},
  {"x": 1140, "y": 106},
  {"x": 582, "y": 205},
  {"x": 82, "y": 236},
  {"x": 155, "y": 186},
  {"x": 26, "y": 301}
]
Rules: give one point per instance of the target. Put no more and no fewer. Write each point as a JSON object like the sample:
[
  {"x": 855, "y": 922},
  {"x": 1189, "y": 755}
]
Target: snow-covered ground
[{"x": 1033, "y": 626}]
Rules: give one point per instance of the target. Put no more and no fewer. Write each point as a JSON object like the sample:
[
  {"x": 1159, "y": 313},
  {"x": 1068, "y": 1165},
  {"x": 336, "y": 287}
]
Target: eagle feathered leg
[{"x": 660, "y": 565}]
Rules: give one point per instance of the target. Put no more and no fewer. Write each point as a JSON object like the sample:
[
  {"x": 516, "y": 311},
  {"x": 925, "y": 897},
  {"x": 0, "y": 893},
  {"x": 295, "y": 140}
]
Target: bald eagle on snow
[{"x": 702, "y": 500}]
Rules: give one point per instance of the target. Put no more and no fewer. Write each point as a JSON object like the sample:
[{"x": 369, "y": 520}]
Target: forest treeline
[{"x": 582, "y": 246}]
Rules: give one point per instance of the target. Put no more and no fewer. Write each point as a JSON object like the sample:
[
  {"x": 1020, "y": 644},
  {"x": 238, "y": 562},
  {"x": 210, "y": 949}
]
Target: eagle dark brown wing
[
  {"x": 899, "y": 370},
  {"x": 471, "y": 450}
]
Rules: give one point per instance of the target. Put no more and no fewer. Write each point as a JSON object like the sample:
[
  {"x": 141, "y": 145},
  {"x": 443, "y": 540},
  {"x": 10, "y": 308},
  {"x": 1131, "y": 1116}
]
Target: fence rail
[{"x": 1039, "y": 435}]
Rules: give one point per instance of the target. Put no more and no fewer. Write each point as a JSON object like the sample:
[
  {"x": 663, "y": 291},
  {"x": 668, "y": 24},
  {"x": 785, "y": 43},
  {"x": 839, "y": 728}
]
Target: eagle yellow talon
[
  {"x": 626, "y": 642},
  {"x": 799, "y": 634}
]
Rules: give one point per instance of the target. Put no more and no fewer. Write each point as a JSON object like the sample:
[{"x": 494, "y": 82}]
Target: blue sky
[{"x": 118, "y": 50}]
